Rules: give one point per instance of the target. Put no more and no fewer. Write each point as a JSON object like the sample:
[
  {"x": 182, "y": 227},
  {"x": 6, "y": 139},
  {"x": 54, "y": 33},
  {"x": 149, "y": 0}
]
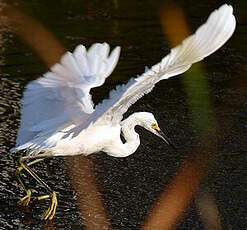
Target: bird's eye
[{"x": 155, "y": 126}]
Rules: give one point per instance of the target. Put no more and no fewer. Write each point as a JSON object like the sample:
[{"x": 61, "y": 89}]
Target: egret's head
[{"x": 149, "y": 122}]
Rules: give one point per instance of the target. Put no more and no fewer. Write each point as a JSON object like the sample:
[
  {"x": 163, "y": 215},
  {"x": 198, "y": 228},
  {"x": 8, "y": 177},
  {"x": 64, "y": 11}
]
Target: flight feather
[
  {"x": 62, "y": 96},
  {"x": 208, "y": 38}
]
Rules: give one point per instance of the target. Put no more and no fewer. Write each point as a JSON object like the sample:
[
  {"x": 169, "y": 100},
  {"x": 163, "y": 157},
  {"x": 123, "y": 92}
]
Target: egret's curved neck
[
  {"x": 131, "y": 137},
  {"x": 128, "y": 129}
]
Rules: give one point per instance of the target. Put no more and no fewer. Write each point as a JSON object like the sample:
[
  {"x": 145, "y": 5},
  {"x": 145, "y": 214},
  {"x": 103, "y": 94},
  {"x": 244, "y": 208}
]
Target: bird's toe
[{"x": 26, "y": 199}]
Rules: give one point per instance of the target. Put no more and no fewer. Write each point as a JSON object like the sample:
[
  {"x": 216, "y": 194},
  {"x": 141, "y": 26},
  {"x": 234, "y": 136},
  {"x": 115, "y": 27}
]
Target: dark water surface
[{"x": 131, "y": 185}]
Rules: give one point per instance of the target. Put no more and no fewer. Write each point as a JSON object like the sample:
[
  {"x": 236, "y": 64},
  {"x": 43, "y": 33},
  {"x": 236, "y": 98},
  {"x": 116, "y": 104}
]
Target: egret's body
[
  {"x": 94, "y": 139},
  {"x": 60, "y": 119},
  {"x": 106, "y": 138}
]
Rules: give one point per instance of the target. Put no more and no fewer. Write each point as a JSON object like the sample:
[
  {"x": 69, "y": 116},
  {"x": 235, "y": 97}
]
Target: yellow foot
[
  {"x": 26, "y": 199},
  {"x": 49, "y": 214}
]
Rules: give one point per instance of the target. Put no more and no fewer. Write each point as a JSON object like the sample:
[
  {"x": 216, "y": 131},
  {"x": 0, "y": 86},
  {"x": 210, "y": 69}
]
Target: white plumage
[{"x": 59, "y": 117}]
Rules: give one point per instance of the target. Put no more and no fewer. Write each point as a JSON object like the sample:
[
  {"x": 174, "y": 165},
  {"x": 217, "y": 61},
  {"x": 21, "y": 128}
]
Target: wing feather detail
[
  {"x": 61, "y": 98},
  {"x": 208, "y": 38}
]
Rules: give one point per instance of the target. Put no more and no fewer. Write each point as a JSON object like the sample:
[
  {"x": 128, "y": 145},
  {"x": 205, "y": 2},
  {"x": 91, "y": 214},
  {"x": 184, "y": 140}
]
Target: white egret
[{"x": 58, "y": 117}]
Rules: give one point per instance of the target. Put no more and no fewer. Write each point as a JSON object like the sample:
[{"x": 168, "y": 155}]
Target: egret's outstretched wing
[
  {"x": 61, "y": 97},
  {"x": 207, "y": 39}
]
